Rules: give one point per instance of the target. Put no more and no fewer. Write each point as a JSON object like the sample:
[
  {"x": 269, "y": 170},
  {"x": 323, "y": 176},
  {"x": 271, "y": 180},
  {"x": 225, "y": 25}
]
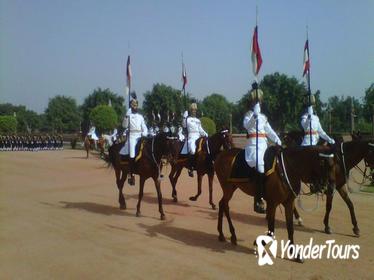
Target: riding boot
[
  {"x": 259, "y": 206},
  {"x": 131, "y": 179},
  {"x": 191, "y": 159}
]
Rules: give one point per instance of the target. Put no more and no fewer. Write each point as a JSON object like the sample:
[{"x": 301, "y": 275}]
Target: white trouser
[
  {"x": 192, "y": 137},
  {"x": 134, "y": 138},
  {"x": 250, "y": 155}
]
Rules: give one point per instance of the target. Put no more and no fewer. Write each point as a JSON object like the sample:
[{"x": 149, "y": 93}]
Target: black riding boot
[
  {"x": 131, "y": 179},
  {"x": 191, "y": 159},
  {"x": 259, "y": 206}
]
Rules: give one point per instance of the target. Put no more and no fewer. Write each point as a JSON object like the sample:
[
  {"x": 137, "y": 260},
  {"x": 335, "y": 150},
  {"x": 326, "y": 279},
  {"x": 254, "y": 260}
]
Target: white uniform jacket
[
  {"x": 316, "y": 131},
  {"x": 264, "y": 132},
  {"x": 195, "y": 130},
  {"x": 136, "y": 124}
]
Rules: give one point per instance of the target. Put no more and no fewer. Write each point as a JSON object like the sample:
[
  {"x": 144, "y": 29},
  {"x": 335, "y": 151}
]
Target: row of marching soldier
[{"x": 30, "y": 142}]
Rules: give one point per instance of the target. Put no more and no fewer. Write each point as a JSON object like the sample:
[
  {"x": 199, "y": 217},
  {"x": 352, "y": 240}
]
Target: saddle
[
  {"x": 241, "y": 171},
  {"x": 124, "y": 159}
]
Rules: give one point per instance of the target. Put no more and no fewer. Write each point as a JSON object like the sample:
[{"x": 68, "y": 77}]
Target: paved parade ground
[{"x": 60, "y": 219}]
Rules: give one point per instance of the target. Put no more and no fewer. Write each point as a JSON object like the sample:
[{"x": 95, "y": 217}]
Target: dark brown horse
[
  {"x": 348, "y": 155},
  {"x": 288, "y": 167},
  {"x": 147, "y": 165},
  {"x": 206, "y": 152}
]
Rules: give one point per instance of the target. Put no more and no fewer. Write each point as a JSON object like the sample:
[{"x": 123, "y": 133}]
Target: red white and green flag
[
  {"x": 184, "y": 76},
  {"x": 306, "y": 67},
  {"x": 256, "y": 53},
  {"x": 128, "y": 72}
]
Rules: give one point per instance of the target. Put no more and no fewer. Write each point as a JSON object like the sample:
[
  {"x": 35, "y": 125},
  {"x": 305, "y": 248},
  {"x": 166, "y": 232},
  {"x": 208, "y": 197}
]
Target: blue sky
[{"x": 72, "y": 47}]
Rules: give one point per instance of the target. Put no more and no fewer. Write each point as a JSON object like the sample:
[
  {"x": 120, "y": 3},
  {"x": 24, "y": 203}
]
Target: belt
[
  {"x": 253, "y": 135},
  {"x": 135, "y": 131},
  {"x": 314, "y": 132}
]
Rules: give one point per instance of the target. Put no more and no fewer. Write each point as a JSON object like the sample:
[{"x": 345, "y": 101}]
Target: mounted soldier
[
  {"x": 258, "y": 131},
  {"x": 92, "y": 135},
  {"x": 194, "y": 132},
  {"x": 312, "y": 126},
  {"x": 135, "y": 126}
]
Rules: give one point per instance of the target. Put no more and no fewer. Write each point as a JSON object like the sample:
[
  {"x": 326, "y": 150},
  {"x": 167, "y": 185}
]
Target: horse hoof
[
  {"x": 298, "y": 259},
  {"x": 138, "y": 213},
  {"x": 122, "y": 207},
  {"x": 213, "y": 206},
  {"x": 221, "y": 238},
  {"x": 300, "y": 222},
  {"x": 162, "y": 217},
  {"x": 356, "y": 231},
  {"x": 193, "y": 198},
  {"x": 233, "y": 241},
  {"x": 175, "y": 199},
  {"x": 328, "y": 230}
]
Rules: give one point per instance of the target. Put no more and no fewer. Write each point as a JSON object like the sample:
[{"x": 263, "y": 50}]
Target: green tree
[
  {"x": 8, "y": 124},
  {"x": 101, "y": 97},
  {"x": 283, "y": 102},
  {"x": 27, "y": 120},
  {"x": 104, "y": 118},
  {"x": 62, "y": 114},
  {"x": 369, "y": 103},
  {"x": 341, "y": 109},
  {"x": 165, "y": 100},
  {"x": 216, "y": 107},
  {"x": 208, "y": 125}
]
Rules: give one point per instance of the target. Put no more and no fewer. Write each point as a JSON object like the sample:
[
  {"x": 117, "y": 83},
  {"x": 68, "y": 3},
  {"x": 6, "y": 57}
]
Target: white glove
[
  {"x": 185, "y": 114},
  {"x": 257, "y": 109},
  {"x": 331, "y": 141},
  {"x": 310, "y": 110},
  {"x": 128, "y": 112},
  {"x": 279, "y": 142}
]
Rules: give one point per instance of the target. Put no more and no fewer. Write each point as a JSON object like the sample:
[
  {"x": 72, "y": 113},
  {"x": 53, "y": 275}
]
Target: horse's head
[
  {"x": 226, "y": 139},
  {"x": 292, "y": 138},
  {"x": 369, "y": 157},
  {"x": 166, "y": 145}
]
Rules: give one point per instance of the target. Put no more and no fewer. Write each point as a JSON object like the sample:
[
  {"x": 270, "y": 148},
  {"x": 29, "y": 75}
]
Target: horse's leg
[
  {"x": 344, "y": 194},
  {"x": 329, "y": 198},
  {"x": 199, "y": 181},
  {"x": 289, "y": 209},
  {"x": 226, "y": 198},
  {"x": 221, "y": 237},
  {"x": 210, "y": 178},
  {"x": 141, "y": 190},
  {"x": 173, "y": 176},
  {"x": 159, "y": 197},
  {"x": 297, "y": 217},
  {"x": 120, "y": 183}
]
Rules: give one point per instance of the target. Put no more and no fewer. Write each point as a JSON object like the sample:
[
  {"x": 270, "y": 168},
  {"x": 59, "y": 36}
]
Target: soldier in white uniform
[
  {"x": 136, "y": 128},
  {"x": 312, "y": 127},
  {"x": 264, "y": 132},
  {"x": 92, "y": 135},
  {"x": 194, "y": 132}
]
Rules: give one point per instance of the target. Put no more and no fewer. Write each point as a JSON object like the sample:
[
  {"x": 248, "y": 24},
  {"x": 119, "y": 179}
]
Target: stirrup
[
  {"x": 190, "y": 172},
  {"x": 131, "y": 180},
  {"x": 259, "y": 207}
]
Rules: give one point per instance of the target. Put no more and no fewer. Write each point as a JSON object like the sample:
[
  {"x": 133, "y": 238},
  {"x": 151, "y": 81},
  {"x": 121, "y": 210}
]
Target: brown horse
[
  {"x": 147, "y": 165},
  {"x": 89, "y": 144},
  {"x": 288, "y": 167},
  {"x": 207, "y": 150},
  {"x": 348, "y": 155}
]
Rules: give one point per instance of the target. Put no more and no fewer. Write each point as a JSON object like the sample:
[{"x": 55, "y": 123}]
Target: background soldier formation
[{"x": 30, "y": 142}]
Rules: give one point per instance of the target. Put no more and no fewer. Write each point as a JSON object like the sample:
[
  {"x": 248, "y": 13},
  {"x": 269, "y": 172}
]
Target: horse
[
  {"x": 285, "y": 168},
  {"x": 207, "y": 150},
  {"x": 147, "y": 165},
  {"x": 348, "y": 155}
]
